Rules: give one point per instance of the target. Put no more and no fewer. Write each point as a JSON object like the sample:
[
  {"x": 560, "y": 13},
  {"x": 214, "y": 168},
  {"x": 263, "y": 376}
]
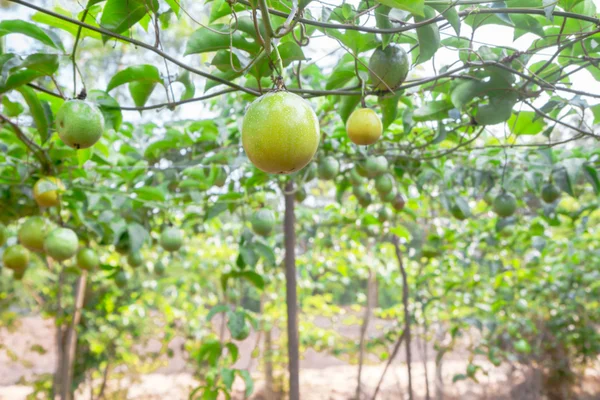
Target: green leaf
[
  {"x": 389, "y": 109},
  {"x": 549, "y": 6},
  {"x": 204, "y": 40},
  {"x": 525, "y": 123},
  {"x": 591, "y": 174},
  {"x": 109, "y": 107},
  {"x": 10, "y": 26},
  {"x": 145, "y": 72},
  {"x": 83, "y": 155},
  {"x": 37, "y": 112},
  {"x": 465, "y": 91},
  {"x": 46, "y": 64},
  {"x": 150, "y": 193},
  {"x": 451, "y": 15},
  {"x": 414, "y": 6},
  {"x": 174, "y": 4},
  {"x": 219, "y": 308},
  {"x": 215, "y": 210},
  {"x": 140, "y": 91},
  {"x": 266, "y": 252},
  {"x": 248, "y": 256},
  {"x": 119, "y": 15},
  {"x": 382, "y": 21},
  {"x": 499, "y": 110},
  {"x": 401, "y": 232},
  {"x": 428, "y": 35},
  {"x": 233, "y": 351},
  {"x": 20, "y": 78},
  {"x": 11, "y": 108},
  {"x": 228, "y": 375},
  {"x": 254, "y": 278},
  {"x": 347, "y": 105},
  {"x": 596, "y": 112},
  {"x": 54, "y": 22},
  {"x": 434, "y": 110},
  {"x": 245, "y": 375},
  {"x": 137, "y": 236},
  {"x": 188, "y": 84}
]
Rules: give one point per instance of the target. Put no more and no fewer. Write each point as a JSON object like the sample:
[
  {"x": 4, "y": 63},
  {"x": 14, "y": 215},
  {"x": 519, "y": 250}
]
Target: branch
[
  {"x": 31, "y": 145},
  {"x": 389, "y": 362},
  {"x": 566, "y": 125},
  {"x": 138, "y": 43}
]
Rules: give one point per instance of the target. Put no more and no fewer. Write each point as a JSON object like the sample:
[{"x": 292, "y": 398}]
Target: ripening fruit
[
  {"x": 361, "y": 170},
  {"x": 121, "y": 278},
  {"x": 550, "y": 193},
  {"x": 522, "y": 305},
  {"x": 389, "y": 196},
  {"x": 384, "y": 214},
  {"x": 33, "y": 232},
  {"x": 364, "y": 126},
  {"x": 398, "y": 203},
  {"x": 388, "y": 67},
  {"x": 171, "y": 239},
  {"x": 505, "y": 204},
  {"x": 160, "y": 268},
  {"x": 355, "y": 177},
  {"x": 61, "y": 244},
  {"x": 280, "y": 132},
  {"x": 384, "y": 183},
  {"x": 16, "y": 258},
  {"x": 376, "y": 166},
  {"x": 522, "y": 346},
  {"x": 329, "y": 167},
  {"x": 365, "y": 200},
  {"x": 263, "y": 222},
  {"x": 46, "y": 191},
  {"x": 135, "y": 259},
  {"x": 79, "y": 124},
  {"x": 311, "y": 172},
  {"x": 3, "y": 234},
  {"x": 87, "y": 259}
]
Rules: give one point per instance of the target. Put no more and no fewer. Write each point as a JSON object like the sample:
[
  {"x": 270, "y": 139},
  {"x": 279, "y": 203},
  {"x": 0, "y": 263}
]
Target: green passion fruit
[
  {"x": 398, "y": 203},
  {"x": 364, "y": 126},
  {"x": 280, "y": 132},
  {"x": 16, "y": 258},
  {"x": 263, "y": 221},
  {"x": 87, "y": 259},
  {"x": 384, "y": 183},
  {"x": 33, "y": 232},
  {"x": 550, "y": 193},
  {"x": 171, "y": 239},
  {"x": 61, "y": 244},
  {"x": 134, "y": 259},
  {"x": 375, "y": 166},
  {"x": 388, "y": 67},
  {"x": 505, "y": 204},
  {"x": 329, "y": 167},
  {"x": 300, "y": 195},
  {"x": 79, "y": 124}
]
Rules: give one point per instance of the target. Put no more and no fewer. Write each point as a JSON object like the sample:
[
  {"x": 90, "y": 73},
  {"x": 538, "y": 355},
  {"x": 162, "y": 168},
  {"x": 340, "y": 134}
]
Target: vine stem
[
  {"x": 40, "y": 154},
  {"x": 73, "y": 53}
]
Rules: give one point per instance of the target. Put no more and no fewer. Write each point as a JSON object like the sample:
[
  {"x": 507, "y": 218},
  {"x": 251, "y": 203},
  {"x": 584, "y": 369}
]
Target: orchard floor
[{"x": 323, "y": 377}]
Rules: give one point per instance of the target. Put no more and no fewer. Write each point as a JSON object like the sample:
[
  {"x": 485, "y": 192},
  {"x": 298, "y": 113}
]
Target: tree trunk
[
  {"x": 291, "y": 295},
  {"x": 363, "y": 332},
  {"x": 439, "y": 381},
  {"x": 406, "y": 313},
  {"x": 70, "y": 347},
  {"x": 269, "y": 387},
  {"x": 58, "y": 374}
]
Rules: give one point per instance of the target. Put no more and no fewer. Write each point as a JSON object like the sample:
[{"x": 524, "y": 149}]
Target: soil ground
[{"x": 323, "y": 377}]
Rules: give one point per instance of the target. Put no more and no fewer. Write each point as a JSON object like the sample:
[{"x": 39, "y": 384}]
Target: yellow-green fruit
[
  {"x": 263, "y": 222},
  {"x": 79, "y": 124},
  {"x": 388, "y": 67},
  {"x": 505, "y": 204},
  {"x": 135, "y": 259},
  {"x": 522, "y": 346},
  {"x": 389, "y": 196},
  {"x": 159, "y": 268},
  {"x": 61, "y": 244},
  {"x": 280, "y": 132},
  {"x": 33, "y": 232},
  {"x": 300, "y": 195},
  {"x": 87, "y": 259},
  {"x": 329, "y": 167},
  {"x": 46, "y": 191},
  {"x": 384, "y": 183},
  {"x": 364, "y": 126},
  {"x": 376, "y": 166},
  {"x": 16, "y": 258},
  {"x": 171, "y": 239},
  {"x": 3, "y": 234},
  {"x": 550, "y": 193}
]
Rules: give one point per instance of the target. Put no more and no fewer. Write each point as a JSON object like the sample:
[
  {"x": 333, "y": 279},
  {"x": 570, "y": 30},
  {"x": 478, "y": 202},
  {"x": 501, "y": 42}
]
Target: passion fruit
[
  {"x": 521, "y": 346},
  {"x": 384, "y": 214},
  {"x": 398, "y": 203},
  {"x": 300, "y": 195},
  {"x": 364, "y": 126},
  {"x": 550, "y": 193},
  {"x": 355, "y": 177},
  {"x": 61, "y": 244},
  {"x": 135, "y": 259},
  {"x": 280, "y": 132},
  {"x": 16, "y": 258},
  {"x": 388, "y": 67},
  {"x": 121, "y": 278},
  {"x": 376, "y": 166},
  {"x": 457, "y": 212},
  {"x": 46, "y": 191},
  {"x": 384, "y": 183},
  {"x": 263, "y": 222},
  {"x": 87, "y": 259},
  {"x": 329, "y": 167},
  {"x": 79, "y": 124},
  {"x": 505, "y": 204},
  {"x": 171, "y": 239},
  {"x": 33, "y": 232}
]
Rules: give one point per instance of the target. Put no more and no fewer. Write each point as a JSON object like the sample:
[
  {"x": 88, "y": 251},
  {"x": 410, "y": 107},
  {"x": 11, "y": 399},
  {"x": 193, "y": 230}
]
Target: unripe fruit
[
  {"x": 121, "y": 279},
  {"x": 87, "y": 259},
  {"x": 280, "y": 132},
  {"x": 384, "y": 214},
  {"x": 300, "y": 195},
  {"x": 329, "y": 167},
  {"x": 61, "y": 244},
  {"x": 505, "y": 204},
  {"x": 384, "y": 183},
  {"x": 355, "y": 177},
  {"x": 389, "y": 196},
  {"x": 366, "y": 200},
  {"x": 135, "y": 259},
  {"x": 263, "y": 222},
  {"x": 311, "y": 172},
  {"x": 79, "y": 124},
  {"x": 550, "y": 193},
  {"x": 46, "y": 191},
  {"x": 16, "y": 258},
  {"x": 376, "y": 166},
  {"x": 159, "y": 268},
  {"x": 364, "y": 126},
  {"x": 171, "y": 239},
  {"x": 33, "y": 232},
  {"x": 522, "y": 346},
  {"x": 457, "y": 212},
  {"x": 388, "y": 67}
]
